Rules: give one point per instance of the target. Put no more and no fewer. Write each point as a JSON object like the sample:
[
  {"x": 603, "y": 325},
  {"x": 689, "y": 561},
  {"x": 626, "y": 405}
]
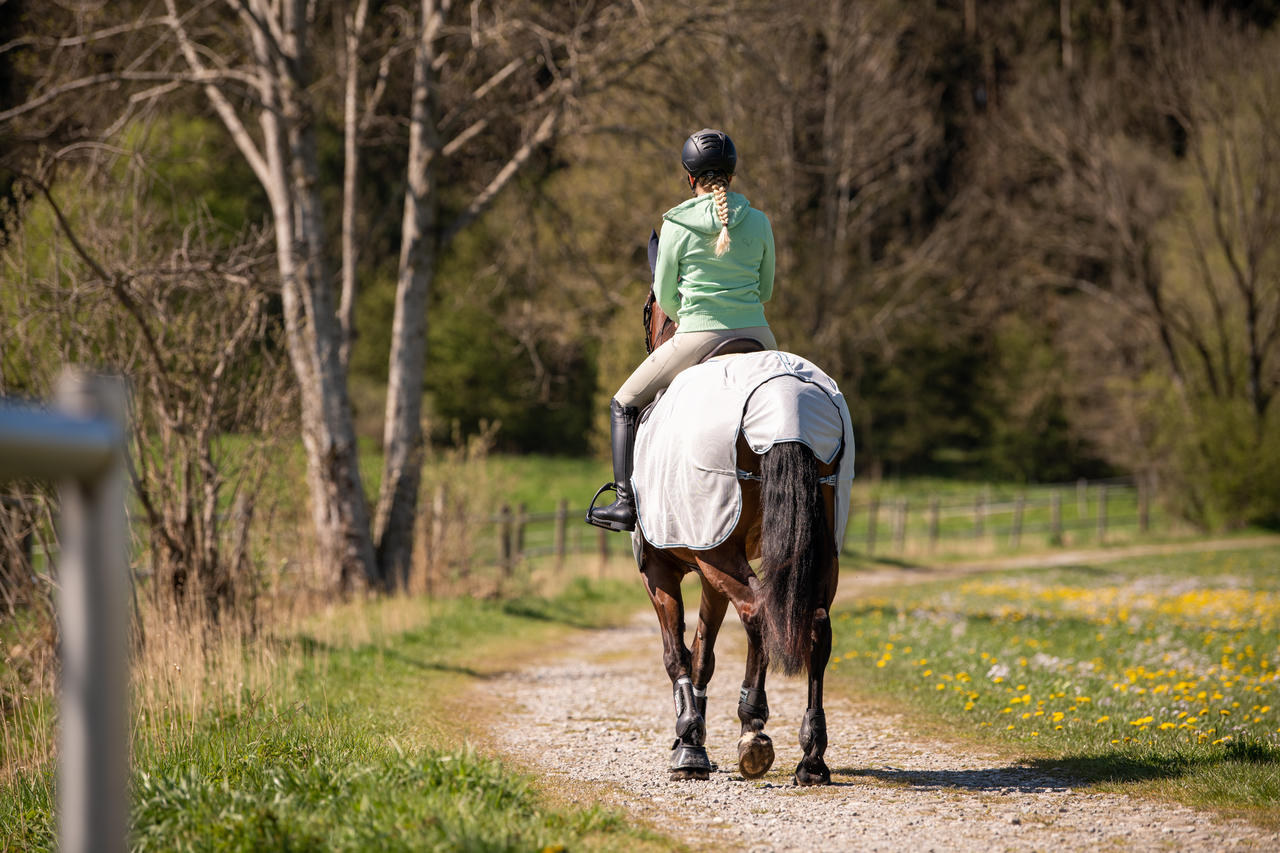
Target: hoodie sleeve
[
  {"x": 666, "y": 272},
  {"x": 767, "y": 263}
]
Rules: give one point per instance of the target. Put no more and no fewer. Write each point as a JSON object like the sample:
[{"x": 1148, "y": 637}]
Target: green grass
[
  {"x": 1160, "y": 673},
  {"x": 541, "y": 482},
  {"x": 356, "y": 745}
]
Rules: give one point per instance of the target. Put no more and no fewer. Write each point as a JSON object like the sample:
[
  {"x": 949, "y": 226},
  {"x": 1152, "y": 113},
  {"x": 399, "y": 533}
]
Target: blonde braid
[{"x": 718, "y": 191}]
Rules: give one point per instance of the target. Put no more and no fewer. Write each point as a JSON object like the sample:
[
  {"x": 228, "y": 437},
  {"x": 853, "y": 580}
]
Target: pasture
[
  {"x": 1159, "y": 675},
  {"x": 342, "y": 727}
]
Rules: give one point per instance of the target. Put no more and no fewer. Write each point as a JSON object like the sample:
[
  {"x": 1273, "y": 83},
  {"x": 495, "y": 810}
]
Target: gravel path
[{"x": 596, "y": 723}]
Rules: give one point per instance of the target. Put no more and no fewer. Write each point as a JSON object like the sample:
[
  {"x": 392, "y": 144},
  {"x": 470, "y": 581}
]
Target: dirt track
[{"x": 596, "y": 723}]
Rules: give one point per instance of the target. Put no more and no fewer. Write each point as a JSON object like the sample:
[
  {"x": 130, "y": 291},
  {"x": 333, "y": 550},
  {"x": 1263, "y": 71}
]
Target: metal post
[
  {"x": 979, "y": 516},
  {"x": 935, "y": 514},
  {"x": 93, "y": 596},
  {"x": 1055, "y": 518}
]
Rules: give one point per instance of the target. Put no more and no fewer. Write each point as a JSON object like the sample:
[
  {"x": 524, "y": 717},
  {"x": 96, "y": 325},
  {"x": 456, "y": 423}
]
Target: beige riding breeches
[{"x": 683, "y": 350}]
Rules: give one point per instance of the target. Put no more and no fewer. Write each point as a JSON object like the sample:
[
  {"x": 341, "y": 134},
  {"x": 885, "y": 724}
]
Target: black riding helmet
[{"x": 709, "y": 151}]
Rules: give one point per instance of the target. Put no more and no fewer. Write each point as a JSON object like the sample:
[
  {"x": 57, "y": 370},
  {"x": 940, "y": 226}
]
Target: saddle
[{"x": 733, "y": 346}]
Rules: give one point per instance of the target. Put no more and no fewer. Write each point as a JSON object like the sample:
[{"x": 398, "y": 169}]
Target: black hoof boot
[
  {"x": 689, "y": 762},
  {"x": 813, "y": 740},
  {"x": 689, "y": 759}
]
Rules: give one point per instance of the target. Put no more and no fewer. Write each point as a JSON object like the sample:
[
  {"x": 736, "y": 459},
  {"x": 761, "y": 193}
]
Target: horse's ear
[{"x": 653, "y": 254}]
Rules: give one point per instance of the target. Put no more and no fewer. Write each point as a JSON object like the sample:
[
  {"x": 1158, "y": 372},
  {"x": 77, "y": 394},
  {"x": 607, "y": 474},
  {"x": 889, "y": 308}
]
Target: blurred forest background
[{"x": 1032, "y": 240}]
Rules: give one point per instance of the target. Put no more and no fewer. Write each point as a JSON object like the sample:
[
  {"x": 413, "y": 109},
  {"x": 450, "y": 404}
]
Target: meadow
[
  {"x": 340, "y": 726},
  {"x": 1159, "y": 674},
  {"x": 347, "y": 731}
]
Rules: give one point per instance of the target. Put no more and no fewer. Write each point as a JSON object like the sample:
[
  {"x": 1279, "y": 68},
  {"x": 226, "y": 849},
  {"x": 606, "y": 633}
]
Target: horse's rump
[{"x": 687, "y": 470}]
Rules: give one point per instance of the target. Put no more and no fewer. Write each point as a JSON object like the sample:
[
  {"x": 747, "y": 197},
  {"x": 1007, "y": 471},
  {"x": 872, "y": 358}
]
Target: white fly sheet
[{"x": 686, "y": 468}]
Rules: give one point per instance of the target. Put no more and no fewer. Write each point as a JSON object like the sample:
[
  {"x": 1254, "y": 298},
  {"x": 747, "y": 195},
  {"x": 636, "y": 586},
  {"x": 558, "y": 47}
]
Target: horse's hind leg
[
  {"x": 730, "y": 575},
  {"x": 755, "y": 749},
  {"x": 812, "y": 769},
  {"x": 662, "y": 581}
]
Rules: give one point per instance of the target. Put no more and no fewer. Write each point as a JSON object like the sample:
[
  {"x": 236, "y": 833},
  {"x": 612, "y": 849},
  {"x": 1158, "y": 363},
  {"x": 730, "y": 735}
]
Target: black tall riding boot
[{"x": 621, "y": 514}]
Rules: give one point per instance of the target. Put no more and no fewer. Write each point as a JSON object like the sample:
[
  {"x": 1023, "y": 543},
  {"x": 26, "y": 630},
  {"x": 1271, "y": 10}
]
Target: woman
[{"x": 713, "y": 273}]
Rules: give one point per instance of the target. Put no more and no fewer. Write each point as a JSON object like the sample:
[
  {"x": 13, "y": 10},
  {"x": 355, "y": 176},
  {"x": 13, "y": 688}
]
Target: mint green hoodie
[{"x": 703, "y": 292}]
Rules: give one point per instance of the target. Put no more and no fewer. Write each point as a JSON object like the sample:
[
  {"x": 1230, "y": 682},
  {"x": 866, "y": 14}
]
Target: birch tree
[
  {"x": 476, "y": 69},
  {"x": 492, "y": 85}
]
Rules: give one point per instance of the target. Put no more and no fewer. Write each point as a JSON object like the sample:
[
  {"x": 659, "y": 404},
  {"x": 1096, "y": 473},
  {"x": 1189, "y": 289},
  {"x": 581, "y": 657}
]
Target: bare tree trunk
[
  {"x": 314, "y": 335},
  {"x": 1064, "y": 24},
  {"x": 350, "y": 177},
  {"x": 402, "y": 437}
]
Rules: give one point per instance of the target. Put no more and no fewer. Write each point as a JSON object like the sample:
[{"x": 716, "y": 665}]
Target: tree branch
[
  {"x": 543, "y": 133},
  {"x": 239, "y": 134}
]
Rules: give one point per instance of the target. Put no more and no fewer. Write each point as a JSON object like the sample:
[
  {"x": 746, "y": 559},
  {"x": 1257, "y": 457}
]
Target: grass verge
[
  {"x": 353, "y": 739},
  {"x": 1157, "y": 675}
]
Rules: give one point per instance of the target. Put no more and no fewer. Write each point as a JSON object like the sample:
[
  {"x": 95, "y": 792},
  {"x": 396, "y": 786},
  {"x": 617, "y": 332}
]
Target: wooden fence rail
[
  {"x": 1038, "y": 517},
  {"x": 491, "y": 549}
]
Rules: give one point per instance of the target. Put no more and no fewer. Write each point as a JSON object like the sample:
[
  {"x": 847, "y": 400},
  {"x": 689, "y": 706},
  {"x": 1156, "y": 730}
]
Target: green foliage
[
  {"x": 195, "y": 171},
  {"x": 1220, "y": 460},
  {"x": 498, "y": 351}
]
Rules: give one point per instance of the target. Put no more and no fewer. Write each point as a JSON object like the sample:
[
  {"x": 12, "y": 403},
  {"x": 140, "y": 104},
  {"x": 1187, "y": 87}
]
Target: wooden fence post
[
  {"x": 1102, "y": 514},
  {"x": 505, "y": 539},
  {"x": 900, "y": 527},
  {"x": 603, "y": 541},
  {"x": 1144, "y": 506},
  {"x": 464, "y": 551},
  {"x": 562, "y": 523},
  {"x": 872, "y": 509},
  {"x": 436, "y": 558},
  {"x": 1015, "y": 534},
  {"x": 1082, "y": 498},
  {"x": 1055, "y": 518},
  {"x": 935, "y": 514},
  {"x": 522, "y": 518},
  {"x": 979, "y": 516}
]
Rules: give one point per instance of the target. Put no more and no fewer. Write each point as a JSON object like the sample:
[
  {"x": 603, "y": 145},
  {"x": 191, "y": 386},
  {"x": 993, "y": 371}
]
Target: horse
[{"x": 787, "y": 522}]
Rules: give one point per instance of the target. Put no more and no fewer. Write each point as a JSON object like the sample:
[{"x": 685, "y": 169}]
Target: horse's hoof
[
  {"x": 690, "y": 775},
  {"x": 812, "y": 771},
  {"x": 755, "y": 754}
]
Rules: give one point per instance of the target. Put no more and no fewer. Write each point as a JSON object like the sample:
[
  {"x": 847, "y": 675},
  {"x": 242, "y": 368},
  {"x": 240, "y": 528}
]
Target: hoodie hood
[{"x": 699, "y": 213}]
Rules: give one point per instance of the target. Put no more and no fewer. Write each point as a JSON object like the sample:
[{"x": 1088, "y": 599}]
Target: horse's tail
[{"x": 796, "y": 544}]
